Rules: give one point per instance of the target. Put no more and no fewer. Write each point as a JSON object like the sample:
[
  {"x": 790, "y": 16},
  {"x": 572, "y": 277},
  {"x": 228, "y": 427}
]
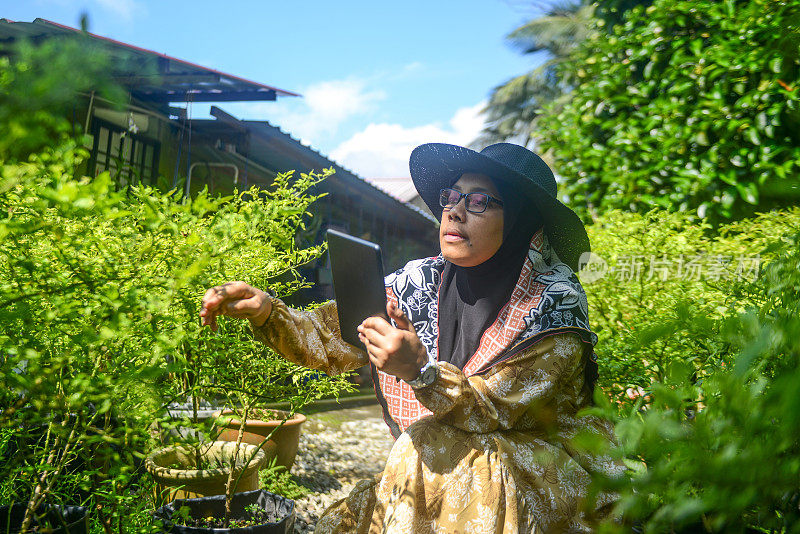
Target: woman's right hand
[{"x": 235, "y": 299}]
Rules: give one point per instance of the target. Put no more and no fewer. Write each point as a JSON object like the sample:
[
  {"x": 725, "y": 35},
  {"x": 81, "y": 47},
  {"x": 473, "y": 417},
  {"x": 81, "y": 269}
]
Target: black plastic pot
[
  {"x": 215, "y": 506},
  {"x": 63, "y": 519}
]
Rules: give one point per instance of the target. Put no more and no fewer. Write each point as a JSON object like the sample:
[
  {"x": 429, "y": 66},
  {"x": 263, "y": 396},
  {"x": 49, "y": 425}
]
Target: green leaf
[
  {"x": 748, "y": 192},
  {"x": 761, "y": 120},
  {"x": 696, "y": 46},
  {"x": 752, "y": 135}
]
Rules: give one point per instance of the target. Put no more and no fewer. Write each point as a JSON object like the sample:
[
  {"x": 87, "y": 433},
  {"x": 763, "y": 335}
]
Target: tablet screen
[{"x": 358, "y": 284}]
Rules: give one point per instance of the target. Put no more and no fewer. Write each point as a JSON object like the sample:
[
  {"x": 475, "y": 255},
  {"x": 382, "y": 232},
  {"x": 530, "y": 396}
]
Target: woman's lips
[{"x": 453, "y": 237}]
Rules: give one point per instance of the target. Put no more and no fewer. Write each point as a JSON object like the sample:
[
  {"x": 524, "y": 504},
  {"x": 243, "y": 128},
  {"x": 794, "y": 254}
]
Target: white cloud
[
  {"x": 381, "y": 150},
  {"x": 338, "y": 100},
  {"x": 323, "y": 109},
  {"x": 123, "y": 8},
  {"x": 411, "y": 68}
]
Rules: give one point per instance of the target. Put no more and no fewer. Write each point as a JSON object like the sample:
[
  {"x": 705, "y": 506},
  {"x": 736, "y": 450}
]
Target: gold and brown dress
[{"x": 486, "y": 449}]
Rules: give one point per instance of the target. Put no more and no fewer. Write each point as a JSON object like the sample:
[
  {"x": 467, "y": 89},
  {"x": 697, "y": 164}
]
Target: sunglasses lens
[{"x": 477, "y": 202}]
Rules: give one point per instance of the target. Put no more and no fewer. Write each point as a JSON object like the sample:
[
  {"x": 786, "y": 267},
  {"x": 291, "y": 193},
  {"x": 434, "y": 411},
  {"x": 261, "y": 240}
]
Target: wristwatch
[{"x": 427, "y": 375}]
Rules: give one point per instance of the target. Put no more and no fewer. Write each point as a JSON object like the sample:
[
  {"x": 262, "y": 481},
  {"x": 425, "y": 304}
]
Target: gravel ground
[{"x": 337, "y": 449}]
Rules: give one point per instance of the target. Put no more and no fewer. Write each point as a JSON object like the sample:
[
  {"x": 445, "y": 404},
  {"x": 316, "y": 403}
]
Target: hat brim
[{"x": 434, "y": 166}]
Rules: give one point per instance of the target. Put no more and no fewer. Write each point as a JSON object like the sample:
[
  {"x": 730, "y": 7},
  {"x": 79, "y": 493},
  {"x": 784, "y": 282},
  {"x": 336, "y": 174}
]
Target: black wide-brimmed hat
[{"x": 438, "y": 165}]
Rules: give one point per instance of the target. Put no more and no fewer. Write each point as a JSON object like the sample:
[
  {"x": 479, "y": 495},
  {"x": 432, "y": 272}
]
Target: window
[{"x": 130, "y": 158}]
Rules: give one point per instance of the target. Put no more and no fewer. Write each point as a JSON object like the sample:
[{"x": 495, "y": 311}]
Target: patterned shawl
[{"x": 547, "y": 299}]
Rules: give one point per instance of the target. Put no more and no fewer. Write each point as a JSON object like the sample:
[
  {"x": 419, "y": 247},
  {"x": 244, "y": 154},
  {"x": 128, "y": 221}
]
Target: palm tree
[{"x": 515, "y": 105}]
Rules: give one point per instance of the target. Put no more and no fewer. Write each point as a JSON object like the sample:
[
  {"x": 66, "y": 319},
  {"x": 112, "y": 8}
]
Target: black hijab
[{"x": 471, "y": 298}]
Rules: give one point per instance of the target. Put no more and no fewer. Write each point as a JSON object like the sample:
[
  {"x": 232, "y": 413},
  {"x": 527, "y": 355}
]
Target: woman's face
[{"x": 469, "y": 239}]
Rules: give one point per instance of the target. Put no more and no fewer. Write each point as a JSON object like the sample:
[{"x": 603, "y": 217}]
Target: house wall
[{"x": 151, "y": 126}]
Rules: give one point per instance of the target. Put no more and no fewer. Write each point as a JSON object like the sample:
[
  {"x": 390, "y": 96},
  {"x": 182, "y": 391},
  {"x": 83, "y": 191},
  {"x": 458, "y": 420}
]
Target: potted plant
[
  {"x": 178, "y": 475},
  {"x": 57, "y": 519},
  {"x": 246, "y": 374},
  {"x": 261, "y": 511},
  {"x": 229, "y": 366},
  {"x": 276, "y": 431}
]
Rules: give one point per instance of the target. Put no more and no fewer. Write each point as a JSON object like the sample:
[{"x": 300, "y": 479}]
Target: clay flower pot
[
  {"x": 186, "y": 481},
  {"x": 283, "y": 442}
]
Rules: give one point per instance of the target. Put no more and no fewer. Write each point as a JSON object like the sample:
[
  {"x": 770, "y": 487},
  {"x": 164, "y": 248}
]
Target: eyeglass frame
[{"x": 466, "y": 202}]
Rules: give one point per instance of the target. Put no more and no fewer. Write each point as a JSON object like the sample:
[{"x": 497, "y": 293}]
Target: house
[{"x": 153, "y": 138}]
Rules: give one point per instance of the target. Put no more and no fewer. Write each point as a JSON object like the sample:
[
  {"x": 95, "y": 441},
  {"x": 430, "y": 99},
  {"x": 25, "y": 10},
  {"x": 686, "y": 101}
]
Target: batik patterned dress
[{"x": 487, "y": 448}]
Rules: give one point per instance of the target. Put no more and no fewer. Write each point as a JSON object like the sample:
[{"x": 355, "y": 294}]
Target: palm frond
[{"x": 514, "y": 106}]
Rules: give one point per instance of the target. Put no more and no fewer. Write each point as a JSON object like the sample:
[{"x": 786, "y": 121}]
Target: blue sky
[{"x": 377, "y": 78}]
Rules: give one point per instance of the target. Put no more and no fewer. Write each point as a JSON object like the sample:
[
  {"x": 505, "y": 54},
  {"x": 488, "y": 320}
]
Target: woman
[{"x": 484, "y": 365}]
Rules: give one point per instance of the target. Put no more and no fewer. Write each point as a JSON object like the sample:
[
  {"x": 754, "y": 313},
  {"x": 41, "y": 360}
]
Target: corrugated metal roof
[
  {"x": 400, "y": 188},
  {"x": 157, "y": 77}
]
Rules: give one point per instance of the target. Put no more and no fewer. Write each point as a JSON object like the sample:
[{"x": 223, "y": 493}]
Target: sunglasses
[{"x": 475, "y": 203}]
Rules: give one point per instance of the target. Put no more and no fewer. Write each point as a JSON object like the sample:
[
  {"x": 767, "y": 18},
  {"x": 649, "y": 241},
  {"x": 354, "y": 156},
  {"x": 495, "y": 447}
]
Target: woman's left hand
[{"x": 395, "y": 351}]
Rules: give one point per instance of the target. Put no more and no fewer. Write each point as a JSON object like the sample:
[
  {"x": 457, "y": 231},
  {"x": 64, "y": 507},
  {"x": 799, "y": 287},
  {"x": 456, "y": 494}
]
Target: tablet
[{"x": 358, "y": 284}]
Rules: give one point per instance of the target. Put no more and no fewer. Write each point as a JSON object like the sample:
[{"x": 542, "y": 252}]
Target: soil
[
  {"x": 265, "y": 415},
  {"x": 252, "y": 518},
  {"x": 206, "y": 465}
]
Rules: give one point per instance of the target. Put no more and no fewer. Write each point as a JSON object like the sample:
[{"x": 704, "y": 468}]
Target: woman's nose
[{"x": 457, "y": 212}]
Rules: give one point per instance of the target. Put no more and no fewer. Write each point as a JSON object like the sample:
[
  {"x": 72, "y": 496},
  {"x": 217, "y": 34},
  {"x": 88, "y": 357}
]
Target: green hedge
[
  {"x": 713, "y": 441},
  {"x": 665, "y": 284},
  {"x": 99, "y": 330},
  {"x": 688, "y": 105}
]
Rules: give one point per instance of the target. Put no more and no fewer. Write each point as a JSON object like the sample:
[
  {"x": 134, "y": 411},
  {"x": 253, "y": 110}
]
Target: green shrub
[
  {"x": 688, "y": 105},
  {"x": 276, "y": 479},
  {"x": 715, "y": 447},
  {"x": 98, "y": 319},
  {"x": 39, "y": 86},
  {"x": 665, "y": 287},
  {"x": 100, "y": 290}
]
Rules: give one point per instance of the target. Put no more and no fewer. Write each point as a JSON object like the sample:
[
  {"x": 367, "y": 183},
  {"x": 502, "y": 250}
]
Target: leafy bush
[
  {"x": 98, "y": 319},
  {"x": 664, "y": 287},
  {"x": 276, "y": 479},
  {"x": 689, "y": 106},
  {"x": 722, "y": 453},
  {"x": 712, "y": 437},
  {"x": 100, "y": 291},
  {"x": 39, "y": 85}
]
